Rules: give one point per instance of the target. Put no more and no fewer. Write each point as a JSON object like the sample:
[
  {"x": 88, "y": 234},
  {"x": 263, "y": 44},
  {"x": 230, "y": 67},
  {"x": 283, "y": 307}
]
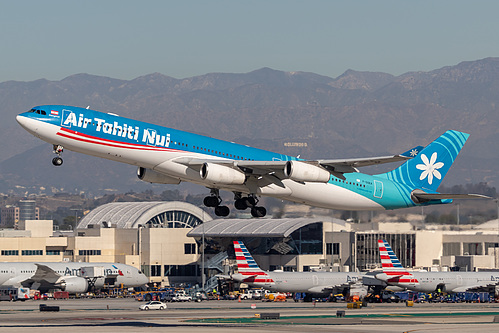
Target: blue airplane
[{"x": 169, "y": 156}]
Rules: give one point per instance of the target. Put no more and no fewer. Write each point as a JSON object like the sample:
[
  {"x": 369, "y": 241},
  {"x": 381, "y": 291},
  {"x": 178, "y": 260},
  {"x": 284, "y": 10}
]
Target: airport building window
[
  {"x": 182, "y": 270},
  {"x": 451, "y": 249},
  {"x": 89, "y": 252},
  {"x": 53, "y": 252},
  {"x": 274, "y": 268},
  {"x": 32, "y": 252},
  {"x": 329, "y": 248},
  {"x": 155, "y": 270},
  {"x": 336, "y": 248},
  {"x": 308, "y": 239},
  {"x": 174, "y": 219},
  {"x": 289, "y": 268},
  {"x": 10, "y": 252},
  {"x": 68, "y": 252},
  {"x": 333, "y": 248},
  {"x": 472, "y": 249},
  {"x": 189, "y": 248}
]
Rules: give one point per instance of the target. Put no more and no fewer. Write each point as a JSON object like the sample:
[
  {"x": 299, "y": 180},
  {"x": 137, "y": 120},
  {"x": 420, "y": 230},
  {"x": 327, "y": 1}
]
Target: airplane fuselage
[
  {"x": 25, "y": 274},
  {"x": 165, "y": 150},
  {"x": 305, "y": 282},
  {"x": 428, "y": 282}
]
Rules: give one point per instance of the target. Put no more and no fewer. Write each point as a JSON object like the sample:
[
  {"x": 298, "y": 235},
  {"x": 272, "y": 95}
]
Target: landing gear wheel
[
  {"x": 211, "y": 201},
  {"x": 57, "y": 161},
  {"x": 241, "y": 204},
  {"x": 222, "y": 211},
  {"x": 258, "y": 211}
]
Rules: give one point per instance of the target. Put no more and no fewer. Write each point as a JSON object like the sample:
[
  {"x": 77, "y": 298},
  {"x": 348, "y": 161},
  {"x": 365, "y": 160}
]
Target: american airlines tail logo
[
  {"x": 395, "y": 272},
  {"x": 247, "y": 266}
]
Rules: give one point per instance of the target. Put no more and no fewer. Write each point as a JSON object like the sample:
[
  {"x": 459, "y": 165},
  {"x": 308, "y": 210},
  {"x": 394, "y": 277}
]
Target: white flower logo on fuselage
[{"x": 430, "y": 168}]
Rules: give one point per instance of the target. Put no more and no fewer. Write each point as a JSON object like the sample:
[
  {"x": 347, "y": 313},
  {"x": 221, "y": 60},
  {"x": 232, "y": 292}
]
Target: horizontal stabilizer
[
  {"x": 442, "y": 196},
  {"x": 385, "y": 277}
]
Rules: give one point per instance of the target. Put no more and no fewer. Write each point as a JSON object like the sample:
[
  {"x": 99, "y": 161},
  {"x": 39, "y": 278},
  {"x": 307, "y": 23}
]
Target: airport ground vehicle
[
  {"x": 384, "y": 297},
  {"x": 181, "y": 296},
  {"x": 153, "y": 305},
  {"x": 11, "y": 293}
]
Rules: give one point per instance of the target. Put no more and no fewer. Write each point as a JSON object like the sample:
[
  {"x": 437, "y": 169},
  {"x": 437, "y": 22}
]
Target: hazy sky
[{"x": 126, "y": 39}]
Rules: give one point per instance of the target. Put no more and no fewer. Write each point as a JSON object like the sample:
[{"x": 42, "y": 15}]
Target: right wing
[{"x": 276, "y": 168}]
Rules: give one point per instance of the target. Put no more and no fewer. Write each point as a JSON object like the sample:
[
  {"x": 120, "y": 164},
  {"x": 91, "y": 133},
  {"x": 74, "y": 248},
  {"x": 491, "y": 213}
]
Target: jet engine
[
  {"x": 72, "y": 284},
  {"x": 220, "y": 174},
  {"x": 152, "y": 176},
  {"x": 304, "y": 172}
]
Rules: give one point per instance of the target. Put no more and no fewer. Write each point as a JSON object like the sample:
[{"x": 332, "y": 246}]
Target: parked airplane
[
  {"x": 301, "y": 282},
  {"x": 169, "y": 156},
  {"x": 453, "y": 282},
  {"x": 73, "y": 277}
]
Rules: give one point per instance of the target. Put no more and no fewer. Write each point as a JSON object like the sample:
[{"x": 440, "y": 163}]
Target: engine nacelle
[
  {"x": 72, "y": 284},
  {"x": 304, "y": 172},
  {"x": 152, "y": 176},
  {"x": 221, "y": 174}
]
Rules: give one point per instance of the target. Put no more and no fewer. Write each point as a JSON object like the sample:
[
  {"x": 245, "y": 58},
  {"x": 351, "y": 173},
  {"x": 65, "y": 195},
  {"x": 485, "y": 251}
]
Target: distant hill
[{"x": 356, "y": 114}]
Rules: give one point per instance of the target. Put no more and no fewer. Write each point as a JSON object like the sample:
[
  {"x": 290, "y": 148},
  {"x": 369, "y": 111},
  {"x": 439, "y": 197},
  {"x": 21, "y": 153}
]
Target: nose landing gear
[{"x": 57, "y": 161}]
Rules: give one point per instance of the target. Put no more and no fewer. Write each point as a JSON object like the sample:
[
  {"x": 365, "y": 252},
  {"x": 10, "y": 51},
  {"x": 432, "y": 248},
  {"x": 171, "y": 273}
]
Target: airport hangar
[{"x": 164, "y": 240}]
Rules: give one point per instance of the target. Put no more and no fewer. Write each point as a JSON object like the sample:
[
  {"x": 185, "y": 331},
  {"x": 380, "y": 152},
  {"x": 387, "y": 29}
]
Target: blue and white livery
[{"x": 169, "y": 156}]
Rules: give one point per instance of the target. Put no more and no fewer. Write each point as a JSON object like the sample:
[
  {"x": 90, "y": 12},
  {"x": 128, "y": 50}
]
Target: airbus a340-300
[{"x": 169, "y": 156}]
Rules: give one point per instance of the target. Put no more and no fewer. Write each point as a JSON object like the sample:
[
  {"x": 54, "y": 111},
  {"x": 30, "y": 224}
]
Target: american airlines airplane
[
  {"x": 168, "y": 156},
  {"x": 395, "y": 274},
  {"x": 73, "y": 277},
  {"x": 296, "y": 282}
]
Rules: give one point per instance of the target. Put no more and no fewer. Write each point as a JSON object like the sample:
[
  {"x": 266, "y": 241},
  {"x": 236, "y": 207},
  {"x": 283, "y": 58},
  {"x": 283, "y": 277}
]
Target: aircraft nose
[
  {"x": 143, "y": 279},
  {"x": 21, "y": 120},
  {"x": 28, "y": 124}
]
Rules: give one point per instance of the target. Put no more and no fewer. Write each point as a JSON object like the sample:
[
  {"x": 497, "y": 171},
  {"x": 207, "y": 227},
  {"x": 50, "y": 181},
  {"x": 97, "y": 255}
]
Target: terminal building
[{"x": 165, "y": 240}]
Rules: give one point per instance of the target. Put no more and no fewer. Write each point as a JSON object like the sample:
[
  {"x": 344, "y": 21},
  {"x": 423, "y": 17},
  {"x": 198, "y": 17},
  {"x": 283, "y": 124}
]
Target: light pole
[{"x": 203, "y": 276}]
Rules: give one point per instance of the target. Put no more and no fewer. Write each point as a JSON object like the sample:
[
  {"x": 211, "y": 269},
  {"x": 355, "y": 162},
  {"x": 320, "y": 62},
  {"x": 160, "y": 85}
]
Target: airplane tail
[
  {"x": 393, "y": 271},
  {"x": 247, "y": 266},
  {"x": 429, "y": 167}
]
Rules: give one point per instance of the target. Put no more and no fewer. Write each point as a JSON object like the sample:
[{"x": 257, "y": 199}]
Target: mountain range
[{"x": 357, "y": 114}]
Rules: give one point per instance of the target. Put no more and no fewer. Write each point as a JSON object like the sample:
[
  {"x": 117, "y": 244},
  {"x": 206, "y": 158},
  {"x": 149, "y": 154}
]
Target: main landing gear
[
  {"x": 214, "y": 200},
  {"x": 240, "y": 203},
  {"x": 251, "y": 201},
  {"x": 57, "y": 161}
]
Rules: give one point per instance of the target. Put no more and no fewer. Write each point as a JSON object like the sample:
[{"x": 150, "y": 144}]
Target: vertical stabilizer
[
  {"x": 247, "y": 266},
  {"x": 427, "y": 170},
  {"x": 393, "y": 271}
]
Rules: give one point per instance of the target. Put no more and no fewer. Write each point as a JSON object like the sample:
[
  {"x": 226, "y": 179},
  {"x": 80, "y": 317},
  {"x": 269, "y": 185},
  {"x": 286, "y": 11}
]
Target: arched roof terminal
[
  {"x": 126, "y": 215},
  {"x": 255, "y": 227}
]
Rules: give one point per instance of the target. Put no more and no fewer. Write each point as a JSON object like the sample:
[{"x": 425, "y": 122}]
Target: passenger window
[{"x": 44, "y": 113}]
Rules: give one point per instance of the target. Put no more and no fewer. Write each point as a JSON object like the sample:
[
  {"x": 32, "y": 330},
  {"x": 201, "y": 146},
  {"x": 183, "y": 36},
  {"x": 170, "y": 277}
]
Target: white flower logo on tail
[{"x": 430, "y": 168}]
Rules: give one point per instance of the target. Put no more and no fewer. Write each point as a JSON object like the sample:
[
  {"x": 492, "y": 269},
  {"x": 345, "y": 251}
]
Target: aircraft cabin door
[
  {"x": 378, "y": 189},
  {"x": 459, "y": 280},
  {"x": 12, "y": 271},
  {"x": 315, "y": 280}
]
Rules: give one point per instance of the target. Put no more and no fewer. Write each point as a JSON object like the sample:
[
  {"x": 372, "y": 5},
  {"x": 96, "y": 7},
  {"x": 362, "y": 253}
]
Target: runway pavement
[{"x": 123, "y": 314}]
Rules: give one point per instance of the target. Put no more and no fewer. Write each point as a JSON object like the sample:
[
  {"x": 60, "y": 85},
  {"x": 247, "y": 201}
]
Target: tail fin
[
  {"x": 393, "y": 271},
  {"x": 429, "y": 167},
  {"x": 247, "y": 266}
]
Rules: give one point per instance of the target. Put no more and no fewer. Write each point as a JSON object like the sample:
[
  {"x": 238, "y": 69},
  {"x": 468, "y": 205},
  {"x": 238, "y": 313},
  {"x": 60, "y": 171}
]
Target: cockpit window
[{"x": 43, "y": 113}]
